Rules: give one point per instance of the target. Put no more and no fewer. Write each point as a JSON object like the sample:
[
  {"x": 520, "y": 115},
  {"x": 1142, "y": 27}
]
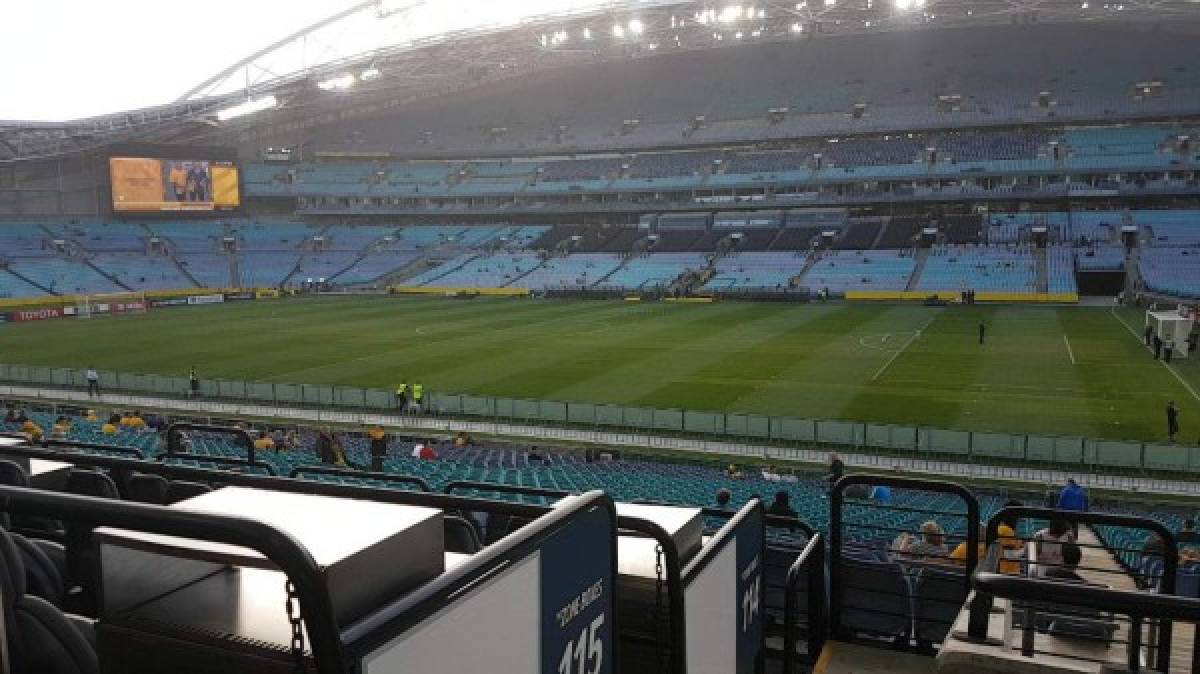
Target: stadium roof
[{"x": 379, "y": 54}]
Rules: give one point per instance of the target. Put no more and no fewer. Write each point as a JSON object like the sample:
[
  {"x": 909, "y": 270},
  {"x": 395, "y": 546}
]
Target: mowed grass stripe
[{"x": 796, "y": 360}]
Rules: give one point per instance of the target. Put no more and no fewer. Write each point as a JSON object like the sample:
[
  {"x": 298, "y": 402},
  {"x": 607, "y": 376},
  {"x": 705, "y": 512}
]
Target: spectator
[
  {"x": 325, "y": 446},
  {"x": 379, "y": 448},
  {"x": 110, "y": 428},
  {"x": 724, "y": 496},
  {"x": 837, "y": 468},
  {"x": 291, "y": 441},
  {"x": 92, "y": 416},
  {"x": 733, "y": 472},
  {"x": 1012, "y": 547},
  {"x": 62, "y": 427},
  {"x": 782, "y": 505},
  {"x": 10, "y": 417},
  {"x": 1154, "y": 546},
  {"x": 959, "y": 554},
  {"x": 136, "y": 421},
  {"x": 1188, "y": 533},
  {"x": 931, "y": 544},
  {"x": 263, "y": 441},
  {"x": 1049, "y": 543},
  {"x": 193, "y": 383},
  {"x": 22, "y": 417},
  {"x": 34, "y": 432},
  {"x": 881, "y": 494},
  {"x": 1073, "y": 497},
  {"x": 1071, "y": 556},
  {"x": 27, "y": 426}
]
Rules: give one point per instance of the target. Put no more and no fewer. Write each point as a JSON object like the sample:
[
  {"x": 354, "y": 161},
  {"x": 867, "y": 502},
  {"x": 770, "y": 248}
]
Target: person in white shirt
[
  {"x": 1049, "y": 545},
  {"x": 93, "y": 381}
]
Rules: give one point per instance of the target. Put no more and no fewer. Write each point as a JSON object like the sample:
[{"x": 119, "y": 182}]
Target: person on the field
[
  {"x": 379, "y": 448},
  {"x": 1158, "y": 345},
  {"x": 1172, "y": 420},
  {"x": 193, "y": 383},
  {"x": 1168, "y": 350},
  {"x": 982, "y": 331},
  {"x": 1149, "y": 334}
]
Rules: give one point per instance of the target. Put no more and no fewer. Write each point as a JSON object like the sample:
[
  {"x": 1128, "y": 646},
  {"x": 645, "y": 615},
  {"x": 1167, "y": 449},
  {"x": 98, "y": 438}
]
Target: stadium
[{"x": 607, "y": 338}]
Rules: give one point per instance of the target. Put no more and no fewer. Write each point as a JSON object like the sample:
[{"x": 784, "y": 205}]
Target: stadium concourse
[{"x": 622, "y": 337}]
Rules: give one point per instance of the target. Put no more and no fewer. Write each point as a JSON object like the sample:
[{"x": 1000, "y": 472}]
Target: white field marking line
[
  {"x": 1069, "y": 351},
  {"x": 902, "y": 349},
  {"x": 862, "y": 341},
  {"x": 1161, "y": 362}
]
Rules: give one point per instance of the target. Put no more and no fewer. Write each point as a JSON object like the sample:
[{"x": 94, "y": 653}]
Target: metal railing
[{"x": 913, "y": 442}]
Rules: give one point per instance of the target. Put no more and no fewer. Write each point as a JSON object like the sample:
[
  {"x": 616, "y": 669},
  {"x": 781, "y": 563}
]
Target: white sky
[
  {"x": 62, "y": 60},
  {"x": 79, "y": 58}
]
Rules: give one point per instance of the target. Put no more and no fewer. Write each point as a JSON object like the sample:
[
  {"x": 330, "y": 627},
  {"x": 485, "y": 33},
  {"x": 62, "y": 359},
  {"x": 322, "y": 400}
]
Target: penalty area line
[
  {"x": 1170, "y": 369},
  {"x": 1070, "y": 353},
  {"x": 902, "y": 349}
]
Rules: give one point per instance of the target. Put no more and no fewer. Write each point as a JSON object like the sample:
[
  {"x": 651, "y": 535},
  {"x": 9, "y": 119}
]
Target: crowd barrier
[
  {"x": 954, "y": 296},
  {"x": 986, "y": 447}
]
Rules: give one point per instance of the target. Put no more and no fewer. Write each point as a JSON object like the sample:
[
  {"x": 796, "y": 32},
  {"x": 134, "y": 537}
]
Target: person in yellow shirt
[
  {"x": 113, "y": 424},
  {"x": 263, "y": 441},
  {"x": 179, "y": 181},
  {"x": 136, "y": 421},
  {"x": 28, "y": 426},
  {"x": 35, "y": 434}
]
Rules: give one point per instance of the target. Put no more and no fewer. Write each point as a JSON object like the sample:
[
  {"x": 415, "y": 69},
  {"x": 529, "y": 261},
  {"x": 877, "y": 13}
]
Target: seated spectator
[
  {"x": 782, "y": 505},
  {"x": 1154, "y": 546},
  {"x": 136, "y": 421},
  {"x": 325, "y": 446},
  {"x": 1071, "y": 555},
  {"x": 35, "y": 434},
  {"x": 1188, "y": 533},
  {"x": 21, "y": 417},
  {"x": 10, "y": 417},
  {"x": 263, "y": 442},
  {"x": 110, "y": 428},
  {"x": 291, "y": 440},
  {"x": 62, "y": 427},
  {"x": 959, "y": 554},
  {"x": 733, "y": 472},
  {"x": 724, "y": 496},
  {"x": 91, "y": 416},
  {"x": 27, "y": 426},
  {"x": 881, "y": 494},
  {"x": 932, "y": 543},
  {"x": 1049, "y": 542},
  {"x": 1012, "y": 547}
]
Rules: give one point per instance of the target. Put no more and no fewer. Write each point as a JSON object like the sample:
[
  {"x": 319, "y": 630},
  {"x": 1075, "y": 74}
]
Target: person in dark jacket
[
  {"x": 379, "y": 448},
  {"x": 1073, "y": 497},
  {"x": 1172, "y": 420},
  {"x": 782, "y": 505},
  {"x": 325, "y": 450}
]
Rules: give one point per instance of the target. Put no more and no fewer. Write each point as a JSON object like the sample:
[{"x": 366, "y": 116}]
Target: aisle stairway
[
  {"x": 922, "y": 257},
  {"x": 1042, "y": 265}
]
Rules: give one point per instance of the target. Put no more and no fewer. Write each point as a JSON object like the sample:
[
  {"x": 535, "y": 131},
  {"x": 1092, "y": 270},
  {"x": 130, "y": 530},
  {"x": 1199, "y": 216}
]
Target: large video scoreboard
[{"x": 155, "y": 185}]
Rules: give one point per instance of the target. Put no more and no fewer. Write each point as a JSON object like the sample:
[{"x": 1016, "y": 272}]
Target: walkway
[{"x": 949, "y": 469}]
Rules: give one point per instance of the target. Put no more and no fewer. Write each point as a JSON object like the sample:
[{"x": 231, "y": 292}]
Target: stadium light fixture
[
  {"x": 249, "y": 107},
  {"x": 587, "y": 33},
  {"x": 730, "y": 14},
  {"x": 369, "y": 74},
  {"x": 636, "y": 26},
  {"x": 339, "y": 83},
  {"x": 618, "y": 30},
  {"x": 797, "y": 28}
]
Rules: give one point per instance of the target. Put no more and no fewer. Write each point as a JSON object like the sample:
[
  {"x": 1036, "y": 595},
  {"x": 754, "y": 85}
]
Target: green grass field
[{"x": 1062, "y": 371}]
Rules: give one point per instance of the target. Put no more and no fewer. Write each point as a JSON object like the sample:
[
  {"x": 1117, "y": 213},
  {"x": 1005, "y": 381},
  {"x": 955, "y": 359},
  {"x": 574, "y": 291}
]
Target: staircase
[
  {"x": 525, "y": 273},
  {"x": 1042, "y": 265},
  {"x": 809, "y": 262},
  {"x": 105, "y": 274},
  {"x": 914, "y": 280},
  {"x": 31, "y": 282},
  {"x": 405, "y": 272},
  {"x": 235, "y": 272},
  {"x": 1133, "y": 271},
  {"x": 451, "y": 269},
  {"x": 180, "y": 266}
]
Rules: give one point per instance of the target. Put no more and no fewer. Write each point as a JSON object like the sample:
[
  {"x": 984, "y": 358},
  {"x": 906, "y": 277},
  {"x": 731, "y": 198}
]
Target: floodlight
[
  {"x": 797, "y": 28},
  {"x": 618, "y": 30},
  {"x": 730, "y": 13},
  {"x": 587, "y": 33},
  {"x": 369, "y": 74},
  {"x": 636, "y": 27},
  {"x": 337, "y": 83},
  {"x": 247, "y": 108}
]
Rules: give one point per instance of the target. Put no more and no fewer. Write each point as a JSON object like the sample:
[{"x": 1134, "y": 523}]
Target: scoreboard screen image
[{"x": 144, "y": 185}]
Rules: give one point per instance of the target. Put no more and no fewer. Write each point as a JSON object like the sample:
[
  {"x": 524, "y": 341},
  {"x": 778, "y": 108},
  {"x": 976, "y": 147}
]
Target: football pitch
[{"x": 1042, "y": 370}]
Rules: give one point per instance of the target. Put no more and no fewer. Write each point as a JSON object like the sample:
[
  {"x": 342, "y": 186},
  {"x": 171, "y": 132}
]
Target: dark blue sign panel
[
  {"x": 577, "y": 597},
  {"x": 749, "y": 592}
]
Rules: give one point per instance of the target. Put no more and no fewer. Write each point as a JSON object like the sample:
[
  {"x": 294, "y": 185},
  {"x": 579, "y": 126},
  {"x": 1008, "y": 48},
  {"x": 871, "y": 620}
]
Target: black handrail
[
  {"x": 362, "y": 475},
  {"x": 385, "y": 624},
  {"x": 779, "y": 521},
  {"x": 472, "y": 485},
  {"x": 279, "y": 547},
  {"x": 220, "y": 460},
  {"x": 837, "y": 497},
  {"x": 1137, "y": 605},
  {"x": 178, "y": 428},
  {"x": 977, "y": 626},
  {"x": 811, "y": 565},
  {"x": 673, "y": 568},
  {"x": 118, "y": 449}
]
